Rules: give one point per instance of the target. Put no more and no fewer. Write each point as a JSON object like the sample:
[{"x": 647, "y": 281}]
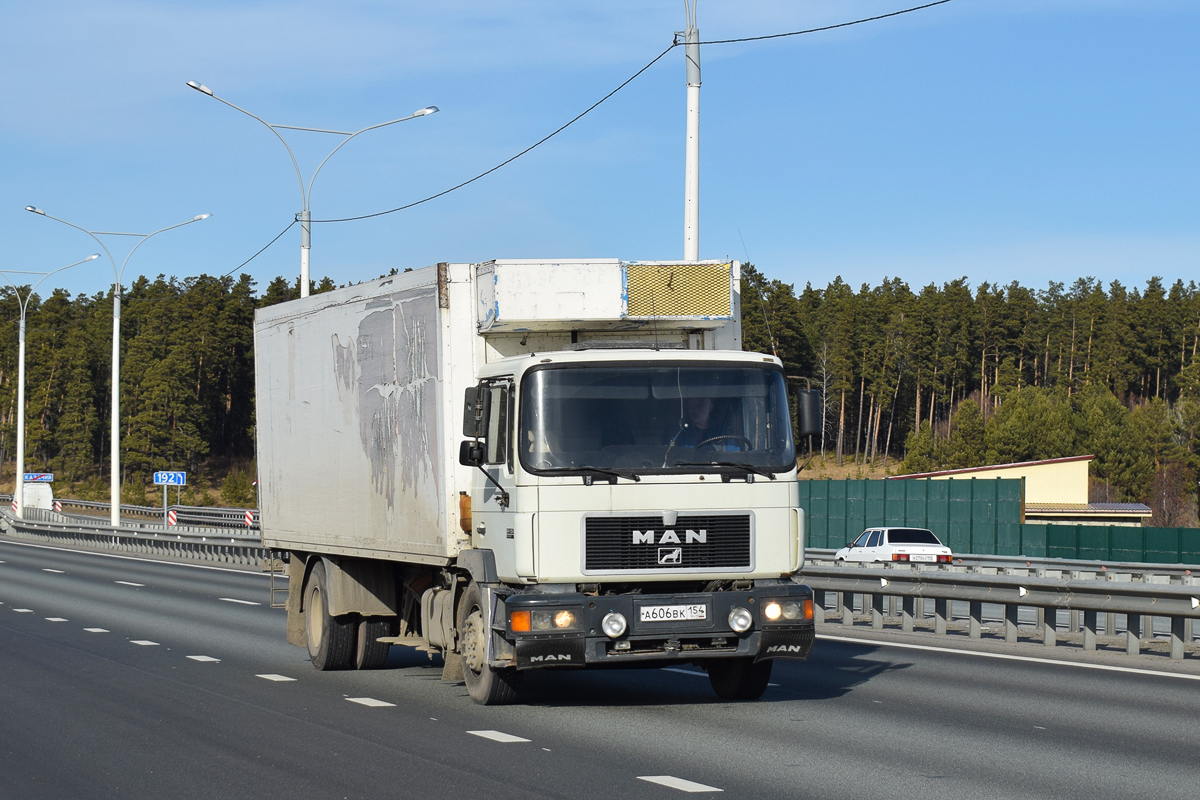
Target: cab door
[{"x": 498, "y": 526}]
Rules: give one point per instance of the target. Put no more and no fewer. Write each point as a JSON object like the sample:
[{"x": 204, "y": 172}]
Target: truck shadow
[{"x": 834, "y": 669}]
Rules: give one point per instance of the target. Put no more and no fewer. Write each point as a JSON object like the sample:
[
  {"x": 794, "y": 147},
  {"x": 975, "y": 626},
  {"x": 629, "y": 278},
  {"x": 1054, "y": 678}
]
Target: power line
[
  {"x": 828, "y": 27},
  {"x": 260, "y": 252},
  {"x": 538, "y": 143}
]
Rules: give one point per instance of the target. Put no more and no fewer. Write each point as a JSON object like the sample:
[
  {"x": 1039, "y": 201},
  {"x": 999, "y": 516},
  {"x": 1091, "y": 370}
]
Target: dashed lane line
[
  {"x": 205, "y": 659},
  {"x": 23, "y": 610},
  {"x": 97, "y": 630},
  {"x": 371, "y": 702},
  {"x": 242, "y": 602},
  {"x": 130, "y": 583},
  {"x": 55, "y": 571},
  {"x": 498, "y": 736},
  {"x": 55, "y": 619},
  {"x": 143, "y": 642},
  {"x": 270, "y": 676},
  {"x": 671, "y": 782}
]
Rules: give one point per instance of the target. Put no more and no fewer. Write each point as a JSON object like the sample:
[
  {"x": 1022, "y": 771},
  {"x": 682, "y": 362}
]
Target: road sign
[
  {"x": 39, "y": 477},
  {"x": 249, "y": 519},
  {"x": 170, "y": 479},
  {"x": 172, "y": 519}
]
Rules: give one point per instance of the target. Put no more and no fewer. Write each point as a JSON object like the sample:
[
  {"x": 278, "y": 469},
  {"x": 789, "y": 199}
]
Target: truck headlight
[
  {"x": 787, "y": 610},
  {"x": 740, "y": 619},
  {"x": 553, "y": 620},
  {"x": 613, "y": 624}
]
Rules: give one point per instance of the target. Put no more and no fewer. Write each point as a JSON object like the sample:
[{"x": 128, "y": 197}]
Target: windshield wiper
[
  {"x": 627, "y": 474},
  {"x": 740, "y": 466}
]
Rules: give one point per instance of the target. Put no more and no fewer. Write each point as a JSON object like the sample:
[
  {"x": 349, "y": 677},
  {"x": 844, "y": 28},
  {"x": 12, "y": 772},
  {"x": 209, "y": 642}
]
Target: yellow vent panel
[{"x": 678, "y": 290}]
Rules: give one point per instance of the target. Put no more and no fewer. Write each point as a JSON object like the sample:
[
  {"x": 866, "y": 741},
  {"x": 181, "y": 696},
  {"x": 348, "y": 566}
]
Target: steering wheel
[{"x": 741, "y": 440}]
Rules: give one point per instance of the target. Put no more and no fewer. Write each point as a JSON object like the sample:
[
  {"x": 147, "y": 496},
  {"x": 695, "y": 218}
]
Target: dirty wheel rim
[
  {"x": 473, "y": 642},
  {"x": 315, "y": 617}
]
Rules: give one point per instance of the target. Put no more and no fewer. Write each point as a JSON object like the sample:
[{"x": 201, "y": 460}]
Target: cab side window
[
  {"x": 861, "y": 541},
  {"x": 498, "y": 423}
]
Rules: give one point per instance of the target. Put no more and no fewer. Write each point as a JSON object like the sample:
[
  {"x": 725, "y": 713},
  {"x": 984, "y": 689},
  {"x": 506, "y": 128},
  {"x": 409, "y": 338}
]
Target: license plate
[
  {"x": 922, "y": 557},
  {"x": 688, "y": 613}
]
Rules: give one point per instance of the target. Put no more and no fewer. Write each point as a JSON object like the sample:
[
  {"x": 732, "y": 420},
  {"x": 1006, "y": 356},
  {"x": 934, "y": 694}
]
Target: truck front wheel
[
  {"x": 487, "y": 685},
  {"x": 330, "y": 639},
  {"x": 739, "y": 678}
]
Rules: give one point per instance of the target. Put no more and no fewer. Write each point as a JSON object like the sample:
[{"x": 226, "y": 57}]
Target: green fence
[{"x": 980, "y": 516}]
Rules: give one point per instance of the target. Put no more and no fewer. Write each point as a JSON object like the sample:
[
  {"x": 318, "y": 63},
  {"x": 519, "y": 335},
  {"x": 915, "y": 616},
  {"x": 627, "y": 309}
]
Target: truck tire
[
  {"x": 739, "y": 678},
  {"x": 330, "y": 639},
  {"x": 486, "y": 685},
  {"x": 369, "y": 652}
]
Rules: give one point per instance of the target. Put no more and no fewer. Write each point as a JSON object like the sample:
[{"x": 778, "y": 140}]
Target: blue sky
[{"x": 1029, "y": 140}]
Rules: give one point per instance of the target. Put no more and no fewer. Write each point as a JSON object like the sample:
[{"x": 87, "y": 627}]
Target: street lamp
[
  {"x": 23, "y": 302},
  {"x": 306, "y": 194},
  {"x": 115, "y": 444}
]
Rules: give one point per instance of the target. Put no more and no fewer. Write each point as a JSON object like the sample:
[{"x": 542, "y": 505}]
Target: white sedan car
[{"x": 902, "y": 545}]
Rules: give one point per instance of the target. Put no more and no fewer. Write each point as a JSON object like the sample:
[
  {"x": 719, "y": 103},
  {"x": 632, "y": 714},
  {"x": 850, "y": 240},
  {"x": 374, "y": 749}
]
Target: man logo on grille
[{"x": 670, "y": 555}]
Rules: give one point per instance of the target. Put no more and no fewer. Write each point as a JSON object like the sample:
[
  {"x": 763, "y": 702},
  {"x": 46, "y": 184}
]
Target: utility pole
[{"x": 691, "y": 180}]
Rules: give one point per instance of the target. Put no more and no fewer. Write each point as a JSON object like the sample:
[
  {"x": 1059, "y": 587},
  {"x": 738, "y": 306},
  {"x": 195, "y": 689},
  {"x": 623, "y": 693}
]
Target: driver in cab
[{"x": 699, "y": 428}]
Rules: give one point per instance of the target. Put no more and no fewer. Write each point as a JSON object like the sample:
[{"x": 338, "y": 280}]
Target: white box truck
[{"x": 533, "y": 464}]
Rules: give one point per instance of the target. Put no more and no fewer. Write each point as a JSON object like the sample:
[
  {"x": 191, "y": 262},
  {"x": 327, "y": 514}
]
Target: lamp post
[
  {"x": 304, "y": 216},
  {"x": 115, "y": 444},
  {"x": 691, "y": 172},
  {"x": 23, "y": 302}
]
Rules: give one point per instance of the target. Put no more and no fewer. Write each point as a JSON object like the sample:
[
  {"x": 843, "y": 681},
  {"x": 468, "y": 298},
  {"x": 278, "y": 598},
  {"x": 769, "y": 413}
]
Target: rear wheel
[
  {"x": 739, "y": 678},
  {"x": 487, "y": 685},
  {"x": 369, "y": 652},
  {"x": 330, "y": 639}
]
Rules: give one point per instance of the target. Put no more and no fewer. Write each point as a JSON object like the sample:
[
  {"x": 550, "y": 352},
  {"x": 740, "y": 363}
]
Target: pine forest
[{"x": 937, "y": 378}]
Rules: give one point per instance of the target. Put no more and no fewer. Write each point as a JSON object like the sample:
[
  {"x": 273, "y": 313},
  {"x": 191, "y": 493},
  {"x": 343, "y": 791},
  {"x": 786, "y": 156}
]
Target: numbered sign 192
[{"x": 170, "y": 479}]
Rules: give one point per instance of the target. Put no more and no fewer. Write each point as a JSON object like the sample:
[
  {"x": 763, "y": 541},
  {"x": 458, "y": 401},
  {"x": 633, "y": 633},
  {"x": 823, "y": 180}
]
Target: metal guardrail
[
  {"x": 207, "y": 516},
  {"x": 193, "y": 542},
  {"x": 1102, "y": 603}
]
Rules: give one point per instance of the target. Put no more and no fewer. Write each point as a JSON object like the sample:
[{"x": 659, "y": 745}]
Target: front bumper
[{"x": 675, "y": 640}]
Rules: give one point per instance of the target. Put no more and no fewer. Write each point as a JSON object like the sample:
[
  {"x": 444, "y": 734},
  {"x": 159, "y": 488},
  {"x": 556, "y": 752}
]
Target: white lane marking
[
  {"x": 144, "y": 642},
  {"x": 96, "y": 630},
  {"x": 371, "y": 702},
  {"x": 243, "y": 602},
  {"x": 697, "y": 674},
  {"x": 55, "y": 571},
  {"x": 270, "y": 676},
  {"x": 207, "y": 659},
  {"x": 55, "y": 619},
  {"x": 671, "y": 782},
  {"x": 129, "y": 583},
  {"x": 497, "y": 736},
  {"x": 23, "y": 610},
  {"x": 1005, "y": 657},
  {"x": 278, "y": 576}
]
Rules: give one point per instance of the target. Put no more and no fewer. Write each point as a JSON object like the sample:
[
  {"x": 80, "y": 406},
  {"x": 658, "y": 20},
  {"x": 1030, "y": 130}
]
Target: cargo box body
[{"x": 359, "y": 390}]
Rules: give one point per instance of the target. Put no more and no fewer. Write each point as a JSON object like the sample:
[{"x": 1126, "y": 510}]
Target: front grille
[{"x": 717, "y": 542}]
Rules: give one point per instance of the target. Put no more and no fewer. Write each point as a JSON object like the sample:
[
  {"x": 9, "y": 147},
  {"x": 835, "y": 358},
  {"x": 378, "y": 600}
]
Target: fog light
[
  {"x": 740, "y": 619},
  {"x": 564, "y": 619},
  {"x": 772, "y": 611},
  {"x": 613, "y": 624}
]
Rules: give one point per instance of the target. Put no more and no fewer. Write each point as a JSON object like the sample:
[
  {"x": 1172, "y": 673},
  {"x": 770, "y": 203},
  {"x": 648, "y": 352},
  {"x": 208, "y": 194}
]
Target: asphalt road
[{"x": 130, "y": 678}]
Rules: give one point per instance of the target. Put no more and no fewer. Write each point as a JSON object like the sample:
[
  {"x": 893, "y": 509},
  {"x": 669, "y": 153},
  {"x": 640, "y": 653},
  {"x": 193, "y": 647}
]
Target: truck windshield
[{"x": 659, "y": 418}]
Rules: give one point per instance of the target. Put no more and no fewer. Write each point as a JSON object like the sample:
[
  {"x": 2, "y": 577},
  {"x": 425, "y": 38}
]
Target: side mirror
[
  {"x": 471, "y": 454},
  {"x": 476, "y": 407},
  {"x": 808, "y": 412}
]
